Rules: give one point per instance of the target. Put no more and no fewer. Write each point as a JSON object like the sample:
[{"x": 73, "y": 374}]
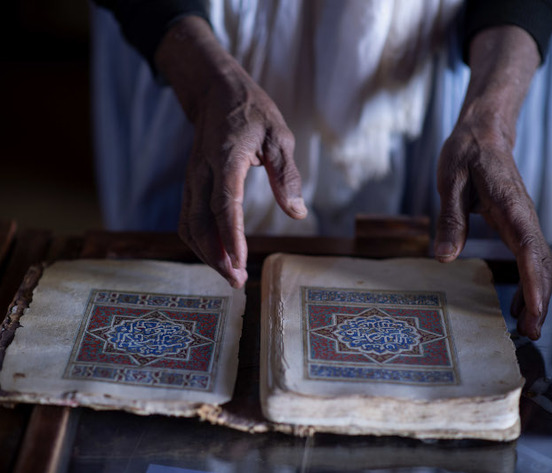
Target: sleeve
[
  {"x": 145, "y": 22},
  {"x": 534, "y": 16}
]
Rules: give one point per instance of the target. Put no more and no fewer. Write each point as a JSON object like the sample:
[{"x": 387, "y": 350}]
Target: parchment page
[
  {"x": 406, "y": 328},
  {"x": 149, "y": 336}
]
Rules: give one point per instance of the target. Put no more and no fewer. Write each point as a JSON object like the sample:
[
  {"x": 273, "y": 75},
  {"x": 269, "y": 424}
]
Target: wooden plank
[
  {"x": 65, "y": 248},
  {"x": 391, "y": 236},
  {"x": 370, "y": 226},
  {"x": 168, "y": 246},
  {"x": 124, "y": 245},
  {"x": 12, "y": 429},
  {"x": 7, "y": 234},
  {"x": 47, "y": 440}
]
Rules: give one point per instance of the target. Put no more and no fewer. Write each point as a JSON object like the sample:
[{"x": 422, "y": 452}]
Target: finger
[
  {"x": 517, "y": 302},
  {"x": 199, "y": 229},
  {"x": 283, "y": 174},
  {"x": 183, "y": 226},
  {"x": 452, "y": 223},
  {"x": 535, "y": 285},
  {"x": 513, "y": 212},
  {"x": 226, "y": 204}
]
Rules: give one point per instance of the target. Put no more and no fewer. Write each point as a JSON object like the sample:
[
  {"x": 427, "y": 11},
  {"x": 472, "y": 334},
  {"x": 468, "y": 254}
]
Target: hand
[
  {"x": 477, "y": 172},
  {"x": 236, "y": 126}
]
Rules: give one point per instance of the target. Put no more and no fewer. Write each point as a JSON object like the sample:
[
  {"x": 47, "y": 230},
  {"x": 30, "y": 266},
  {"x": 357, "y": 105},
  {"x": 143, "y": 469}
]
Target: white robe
[{"x": 370, "y": 89}]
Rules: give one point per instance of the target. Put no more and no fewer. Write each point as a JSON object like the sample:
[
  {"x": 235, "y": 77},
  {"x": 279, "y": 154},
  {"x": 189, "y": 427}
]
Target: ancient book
[
  {"x": 408, "y": 347},
  {"x": 143, "y": 336}
]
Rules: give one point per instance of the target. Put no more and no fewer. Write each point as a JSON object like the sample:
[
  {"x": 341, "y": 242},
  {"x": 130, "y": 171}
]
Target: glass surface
[{"x": 117, "y": 442}]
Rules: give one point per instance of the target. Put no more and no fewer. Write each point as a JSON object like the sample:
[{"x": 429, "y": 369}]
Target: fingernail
[
  {"x": 234, "y": 283},
  {"x": 238, "y": 282},
  {"x": 297, "y": 205},
  {"x": 445, "y": 249},
  {"x": 235, "y": 262}
]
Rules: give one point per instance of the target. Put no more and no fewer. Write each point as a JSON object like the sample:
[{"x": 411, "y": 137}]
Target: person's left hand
[{"x": 477, "y": 172}]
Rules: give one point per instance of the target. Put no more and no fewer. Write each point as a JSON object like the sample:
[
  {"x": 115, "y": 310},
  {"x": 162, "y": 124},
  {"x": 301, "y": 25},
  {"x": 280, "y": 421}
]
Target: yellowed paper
[
  {"x": 397, "y": 347},
  {"x": 146, "y": 336}
]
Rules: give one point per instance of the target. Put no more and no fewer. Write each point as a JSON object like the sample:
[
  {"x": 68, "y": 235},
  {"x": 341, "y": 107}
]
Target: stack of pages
[{"x": 406, "y": 347}]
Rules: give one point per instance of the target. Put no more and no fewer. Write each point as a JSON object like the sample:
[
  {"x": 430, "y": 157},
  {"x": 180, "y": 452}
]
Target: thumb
[
  {"x": 452, "y": 224},
  {"x": 283, "y": 174}
]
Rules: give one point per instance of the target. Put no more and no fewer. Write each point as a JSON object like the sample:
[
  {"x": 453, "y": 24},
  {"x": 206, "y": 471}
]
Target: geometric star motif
[
  {"x": 150, "y": 337},
  {"x": 376, "y": 335}
]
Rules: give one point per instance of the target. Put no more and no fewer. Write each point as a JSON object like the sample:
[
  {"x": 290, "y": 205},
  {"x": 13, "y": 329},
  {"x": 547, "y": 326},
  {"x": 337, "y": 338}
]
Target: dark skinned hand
[
  {"x": 477, "y": 172},
  {"x": 236, "y": 126}
]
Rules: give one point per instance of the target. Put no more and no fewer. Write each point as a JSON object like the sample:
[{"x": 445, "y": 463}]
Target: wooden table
[{"x": 38, "y": 438}]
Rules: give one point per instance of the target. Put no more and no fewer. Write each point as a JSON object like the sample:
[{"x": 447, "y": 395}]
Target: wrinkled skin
[
  {"x": 249, "y": 133},
  {"x": 238, "y": 126},
  {"x": 477, "y": 172}
]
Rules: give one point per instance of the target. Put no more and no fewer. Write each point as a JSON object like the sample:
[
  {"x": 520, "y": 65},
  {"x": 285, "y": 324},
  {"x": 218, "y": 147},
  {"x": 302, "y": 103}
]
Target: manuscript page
[
  {"x": 407, "y": 346},
  {"x": 146, "y": 336}
]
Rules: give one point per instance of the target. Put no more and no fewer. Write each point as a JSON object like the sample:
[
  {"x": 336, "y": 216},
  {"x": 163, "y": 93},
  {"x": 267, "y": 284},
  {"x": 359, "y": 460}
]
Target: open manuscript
[
  {"x": 398, "y": 347},
  {"x": 143, "y": 336},
  {"x": 406, "y": 347}
]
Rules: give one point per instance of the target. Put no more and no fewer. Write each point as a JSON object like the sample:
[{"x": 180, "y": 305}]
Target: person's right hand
[{"x": 236, "y": 126}]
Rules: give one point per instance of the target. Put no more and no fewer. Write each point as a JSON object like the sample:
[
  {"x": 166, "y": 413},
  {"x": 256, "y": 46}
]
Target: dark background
[{"x": 47, "y": 172}]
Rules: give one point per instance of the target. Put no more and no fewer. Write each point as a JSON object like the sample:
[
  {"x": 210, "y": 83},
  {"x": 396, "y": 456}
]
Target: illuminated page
[
  {"x": 397, "y": 347},
  {"x": 146, "y": 336}
]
